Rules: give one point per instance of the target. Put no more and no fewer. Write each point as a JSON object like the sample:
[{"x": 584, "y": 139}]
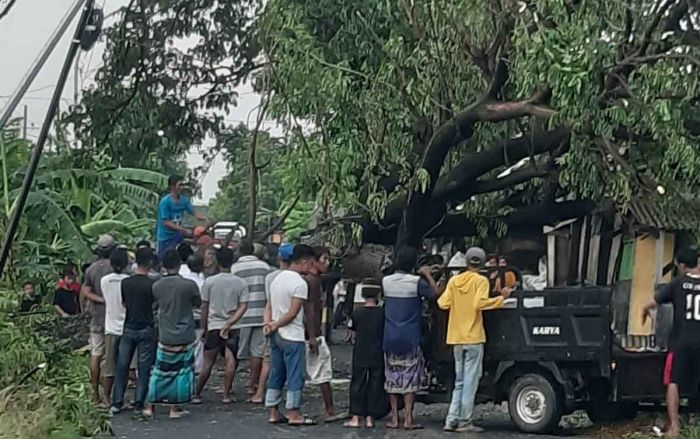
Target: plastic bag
[{"x": 198, "y": 356}]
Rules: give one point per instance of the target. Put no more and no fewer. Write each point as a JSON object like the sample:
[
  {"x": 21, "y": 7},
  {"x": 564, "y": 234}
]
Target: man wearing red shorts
[{"x": 683, "y": 361}]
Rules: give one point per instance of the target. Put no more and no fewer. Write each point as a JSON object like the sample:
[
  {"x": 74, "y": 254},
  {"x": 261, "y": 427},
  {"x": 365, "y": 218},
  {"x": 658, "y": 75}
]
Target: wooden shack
[{"x": 629, "y": 249}]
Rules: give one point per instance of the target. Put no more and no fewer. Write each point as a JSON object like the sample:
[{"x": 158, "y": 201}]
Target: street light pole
[{"x": 39, "y": 147}]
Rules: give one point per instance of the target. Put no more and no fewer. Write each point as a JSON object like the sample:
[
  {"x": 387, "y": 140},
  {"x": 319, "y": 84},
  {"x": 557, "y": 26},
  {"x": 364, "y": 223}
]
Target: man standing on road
[
  {"x": 115, "y": 314},
  {"x": 224, "y": 301},
  {"x": 284, "y": 257},
  {"x": 171, "y": 210},
  {"x": 403, "y": 292},
  {"x": 92, "y": 292},
  {"x": 139, "y": 333},
  {"x": 466, "y": 296},
  {"x": 172, "y": 379},
  {"x": 683, "y": 361},
  {"x": 285, "y": 327},
  {"x": 252, "y": 340},
  {"x": 319, "y": 363}
]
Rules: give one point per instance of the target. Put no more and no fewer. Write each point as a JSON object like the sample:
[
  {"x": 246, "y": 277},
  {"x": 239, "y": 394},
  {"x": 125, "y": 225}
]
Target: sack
[{"x": 198, "y": 356}]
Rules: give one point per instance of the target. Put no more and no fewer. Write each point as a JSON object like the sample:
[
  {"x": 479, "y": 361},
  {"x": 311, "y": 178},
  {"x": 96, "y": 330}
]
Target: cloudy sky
[{"x": 25, "y": 31}]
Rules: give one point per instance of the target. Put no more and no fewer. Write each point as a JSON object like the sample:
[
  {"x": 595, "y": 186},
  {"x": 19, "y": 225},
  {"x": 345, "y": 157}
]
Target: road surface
[{"x": 242, "y": 420}]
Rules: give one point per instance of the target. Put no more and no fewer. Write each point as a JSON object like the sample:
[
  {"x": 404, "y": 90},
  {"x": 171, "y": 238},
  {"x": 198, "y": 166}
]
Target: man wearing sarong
[
  {"x": 172, "y": 379},
  {"x": 403, "y": 293}
]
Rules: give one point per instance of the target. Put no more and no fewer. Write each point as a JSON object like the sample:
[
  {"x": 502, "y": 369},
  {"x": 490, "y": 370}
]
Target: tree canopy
[
  {"x": 167, "y": 82},
  {"x": 417, "y": 107}
]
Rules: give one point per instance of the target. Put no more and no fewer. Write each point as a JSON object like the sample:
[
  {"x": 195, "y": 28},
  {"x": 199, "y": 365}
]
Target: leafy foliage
[
  {"x": 167, "y": 80},
  {"x": 44, "y": 386},
  {"x": 233, "y": 199},
  {"x": 373, "y": 83},
  {"x": 69, "y": 207}
]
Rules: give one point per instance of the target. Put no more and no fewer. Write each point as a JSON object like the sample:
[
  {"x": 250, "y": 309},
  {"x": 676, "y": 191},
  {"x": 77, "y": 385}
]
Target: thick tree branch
[
  {"x": 253, "y": 167},
  {"x": 529, "y": 217},
  {"x": 658, "y": 15},
  {"x": 276, "y": 226},
  {"x": 460, "y": 180},
  {"x": 513, "y": 179},
  {"x": 461, "y": 126}
]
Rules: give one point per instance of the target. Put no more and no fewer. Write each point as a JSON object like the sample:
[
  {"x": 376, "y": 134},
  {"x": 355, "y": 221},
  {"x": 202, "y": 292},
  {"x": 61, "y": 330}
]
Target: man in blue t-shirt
[{"x": 171, "y": 211}]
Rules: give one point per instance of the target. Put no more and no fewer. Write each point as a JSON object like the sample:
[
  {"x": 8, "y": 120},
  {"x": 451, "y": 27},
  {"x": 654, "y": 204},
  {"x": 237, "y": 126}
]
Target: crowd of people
[{"x": 162, "y": 316}]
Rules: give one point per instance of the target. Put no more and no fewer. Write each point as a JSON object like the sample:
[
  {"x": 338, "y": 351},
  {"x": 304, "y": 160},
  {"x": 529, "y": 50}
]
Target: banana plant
[{"x": 70, "y": 204}]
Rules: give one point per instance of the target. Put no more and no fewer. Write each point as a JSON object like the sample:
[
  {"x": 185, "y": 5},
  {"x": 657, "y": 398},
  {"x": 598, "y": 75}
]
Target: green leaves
[
  {"x": 51, "y": 401},
  {"x": 70, "y": 204}
]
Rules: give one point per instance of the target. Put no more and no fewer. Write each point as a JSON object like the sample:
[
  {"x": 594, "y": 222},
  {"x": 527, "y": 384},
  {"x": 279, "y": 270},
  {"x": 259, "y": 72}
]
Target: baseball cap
[
  {"x": 105, "y": 242},
  {"x": 285, "y": 252},
  {"x": 476, "y": 256}
]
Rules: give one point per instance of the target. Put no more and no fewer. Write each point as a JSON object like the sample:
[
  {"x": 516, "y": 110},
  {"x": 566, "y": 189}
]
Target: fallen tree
[{"x": 458, "y": 118}]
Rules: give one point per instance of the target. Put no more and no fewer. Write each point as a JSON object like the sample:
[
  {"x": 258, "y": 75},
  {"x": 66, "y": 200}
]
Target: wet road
[
  {"x": 242, "y": 420},
  {"x": 212, "y": 420}
]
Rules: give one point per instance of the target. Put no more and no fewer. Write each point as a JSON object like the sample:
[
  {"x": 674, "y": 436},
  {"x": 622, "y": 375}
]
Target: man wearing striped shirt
[{"x": 252, "y": 340}]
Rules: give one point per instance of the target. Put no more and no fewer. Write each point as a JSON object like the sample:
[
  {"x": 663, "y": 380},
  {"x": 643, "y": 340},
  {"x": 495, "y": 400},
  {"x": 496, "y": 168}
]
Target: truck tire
[
  {"x": 605, "y": 412},
  {"x": 534, "y": 404}
]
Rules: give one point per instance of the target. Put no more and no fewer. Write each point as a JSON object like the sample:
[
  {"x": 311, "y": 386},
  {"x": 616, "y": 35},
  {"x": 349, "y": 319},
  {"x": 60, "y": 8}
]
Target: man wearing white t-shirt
[
  {"x": 284, "y": 324},
  {"x": 115, "y": 314}
]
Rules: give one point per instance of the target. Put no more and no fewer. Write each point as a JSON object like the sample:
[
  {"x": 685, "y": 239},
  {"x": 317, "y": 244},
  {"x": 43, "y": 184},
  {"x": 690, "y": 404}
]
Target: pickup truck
[{"x": 547, "y": 354}]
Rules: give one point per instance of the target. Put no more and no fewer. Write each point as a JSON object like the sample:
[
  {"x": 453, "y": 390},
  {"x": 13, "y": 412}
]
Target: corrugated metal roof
[{"x": 651, "y": 213}]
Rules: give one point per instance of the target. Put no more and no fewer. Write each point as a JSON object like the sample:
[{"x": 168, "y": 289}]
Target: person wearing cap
[
  {"x": 404, "y": 292},
  {"x": 284, "y": 255},
  {"x": 92, "y": 292},
  {"x": 171, "y": 209},
  {"x": 466, "y": 297}
]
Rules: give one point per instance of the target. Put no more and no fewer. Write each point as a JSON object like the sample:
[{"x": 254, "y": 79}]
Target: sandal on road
[
  {"x": 336, "y": 418},
  {"x": 280, "y": 420},
  {"x": 179, "y": 414},
  {"x": 197, "y": 400},
  {"x": 306, "y": 422}
]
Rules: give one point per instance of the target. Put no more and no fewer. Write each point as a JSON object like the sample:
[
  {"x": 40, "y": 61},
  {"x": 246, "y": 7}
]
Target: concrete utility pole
[
  {"x": 85, "y": 36},
  {"x": 39, "y": 63},
  {"x": 24, "y": 123}
]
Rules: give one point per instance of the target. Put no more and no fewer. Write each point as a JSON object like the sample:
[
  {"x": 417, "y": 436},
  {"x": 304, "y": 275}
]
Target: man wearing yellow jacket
[{"x": 466, "y": 296}]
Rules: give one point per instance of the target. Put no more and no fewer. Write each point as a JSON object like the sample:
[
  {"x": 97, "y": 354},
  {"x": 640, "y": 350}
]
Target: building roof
[{"x": 650, "y": 212}]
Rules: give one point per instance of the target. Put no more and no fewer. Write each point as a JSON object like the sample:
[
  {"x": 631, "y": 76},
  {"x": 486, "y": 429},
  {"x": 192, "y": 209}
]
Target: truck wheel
[
  {"x": 534, "y": 404},
  {"x": 604, "y": 412}
]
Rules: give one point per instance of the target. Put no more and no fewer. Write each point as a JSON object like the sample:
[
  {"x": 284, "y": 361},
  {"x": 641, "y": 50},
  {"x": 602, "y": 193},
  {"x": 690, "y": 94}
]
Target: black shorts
[
  {"x": 215, "y": 342},
  {"x": 686, "y": 368}
]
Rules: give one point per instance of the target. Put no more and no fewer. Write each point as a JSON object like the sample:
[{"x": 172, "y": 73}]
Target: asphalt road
[{"x": 242, "y": 420}]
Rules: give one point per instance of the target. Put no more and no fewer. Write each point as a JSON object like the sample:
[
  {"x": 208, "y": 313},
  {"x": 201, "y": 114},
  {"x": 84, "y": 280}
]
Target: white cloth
[
  {"x": 319, "y": 367},
  {"x": 358, "y": 299},
  {"x": 285, "y": 286},
  {"x": 184, "y": 270},
  {"x": 115, "y": 313},
  {"x": 197, "y": 278},
  {"x": 459, "y": 260},
  {"x": 536, "y": 282}
]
